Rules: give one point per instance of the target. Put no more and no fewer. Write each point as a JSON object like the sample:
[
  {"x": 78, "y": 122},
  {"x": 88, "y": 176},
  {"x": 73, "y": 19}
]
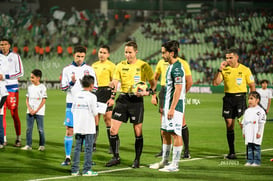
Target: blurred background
[{"x": 44, "y": 32}]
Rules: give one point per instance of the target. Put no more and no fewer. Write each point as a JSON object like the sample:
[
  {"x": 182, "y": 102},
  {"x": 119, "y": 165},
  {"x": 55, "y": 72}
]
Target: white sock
[
  {"x": 166, "y": 152},
  {"x": 18, "y": 138},
  {"x": 176, "y": 155},
  {"x": 5, "y": 138}
]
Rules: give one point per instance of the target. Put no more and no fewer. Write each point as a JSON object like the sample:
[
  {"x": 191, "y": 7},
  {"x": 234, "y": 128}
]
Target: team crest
[{"x": 86, "y": 72}]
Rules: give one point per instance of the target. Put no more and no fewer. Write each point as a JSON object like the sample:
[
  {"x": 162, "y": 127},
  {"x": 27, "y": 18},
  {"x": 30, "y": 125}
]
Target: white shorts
[{"x": 173, "y": 125}]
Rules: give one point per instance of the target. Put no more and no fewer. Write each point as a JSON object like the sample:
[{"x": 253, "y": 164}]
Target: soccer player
[
  {"x": 129, "y": 105},
  {"x": 173, "y": 109},
  {"x": 35, "y": 101},
  {"x": 14, "y": 72},
  {"x": 236, "y": 77},
  {"x": 253, "y": 128},
  {"x": 85, "y": 112},
  {"x": 104, "y": 70},
  {"x": 160, "y": 71},
  {"x": 266, "y": 95},
  {"x": 70, "y": 83}
]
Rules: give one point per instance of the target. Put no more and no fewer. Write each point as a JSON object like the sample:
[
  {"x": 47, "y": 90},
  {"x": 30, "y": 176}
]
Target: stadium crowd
[{"x": 49, "y": 34}]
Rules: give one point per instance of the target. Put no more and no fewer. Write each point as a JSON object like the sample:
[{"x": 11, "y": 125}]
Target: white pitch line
[{"x": 129, "y": 168}]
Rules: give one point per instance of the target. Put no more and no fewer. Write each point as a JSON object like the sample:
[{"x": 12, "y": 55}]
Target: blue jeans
[
  {"x": 88, "y": 148},
  {"x": 1, "y": 130},
  {"x": 40, "y": 126},
  {"x": 253, "y": 153}
]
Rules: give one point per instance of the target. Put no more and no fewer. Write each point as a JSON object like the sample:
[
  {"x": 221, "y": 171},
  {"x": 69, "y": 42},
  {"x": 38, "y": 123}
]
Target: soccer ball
[{"x": 139, "y": 87}]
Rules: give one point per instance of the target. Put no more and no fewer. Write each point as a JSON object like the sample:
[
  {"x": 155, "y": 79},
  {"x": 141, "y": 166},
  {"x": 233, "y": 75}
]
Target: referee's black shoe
[
  {"x": 114, "y": 161},
  {"x": 231, "y": 156},
  {"x": 135, "y": 164}
]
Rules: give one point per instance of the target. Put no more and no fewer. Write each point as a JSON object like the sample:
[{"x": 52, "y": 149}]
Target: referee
[
  {"x": 104, "y": 70},
  {"x": 236, "y": 77}
]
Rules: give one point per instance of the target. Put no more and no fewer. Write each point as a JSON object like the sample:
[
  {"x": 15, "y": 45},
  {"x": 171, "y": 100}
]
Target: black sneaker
[
  {"x": 186, "y": 155},
  {"x": 135, "y": 164},
  {"x": 66, "y": 162},
  {"x": 17, "y": 143},
  {"x": 114, "y": 161},
  {"x": 159, "y": 154},
  {"x": 231, "y": 156}
]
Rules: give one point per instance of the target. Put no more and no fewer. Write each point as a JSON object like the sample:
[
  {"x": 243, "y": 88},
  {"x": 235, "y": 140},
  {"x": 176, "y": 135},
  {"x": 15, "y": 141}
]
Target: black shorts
[
  {"x": 103, "y": 95},
  {"x": 129, "y": 106},
  {"x": 234, "y": 105},
  {"x": 161, "y": 97}
]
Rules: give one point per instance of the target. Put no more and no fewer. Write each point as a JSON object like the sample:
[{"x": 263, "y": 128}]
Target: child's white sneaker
[
  {"x": 41, "y": 148},
  {"x": 26, "y": 148}
]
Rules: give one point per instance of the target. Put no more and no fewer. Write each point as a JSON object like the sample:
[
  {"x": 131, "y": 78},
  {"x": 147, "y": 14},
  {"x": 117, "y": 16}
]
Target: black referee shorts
[
  {"x": 103, "y": 95},
  {"x": 234, "y": 105},
  {"x": 129, "y": 106}
]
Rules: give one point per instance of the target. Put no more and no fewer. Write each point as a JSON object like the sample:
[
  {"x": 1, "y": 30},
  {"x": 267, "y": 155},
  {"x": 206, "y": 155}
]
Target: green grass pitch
[{"x": 207, "y": 145}]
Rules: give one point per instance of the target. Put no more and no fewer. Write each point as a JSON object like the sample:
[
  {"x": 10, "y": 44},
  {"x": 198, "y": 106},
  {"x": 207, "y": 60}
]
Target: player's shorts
[
  {"x": 161, "y": 98},
  {"x": 12, "y": 101},
  {"x": 234, "y": 105},
  {"x": 68, "y": 116},
  {"x": 103, "y": 95},
  {"x": 173, "y": 125},
  {"x": 128, "y": 106}
]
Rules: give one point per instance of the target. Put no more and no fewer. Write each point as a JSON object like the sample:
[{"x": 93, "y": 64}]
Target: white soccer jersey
[
  {"x": 79, "y": 71},
  {"x": 3, "y": 65},
  {"x": 253, "y": 123},
  {"x": 175, "y": 75},
  {"x": 265, "y": 95},
  {"x": 35, "y": 94},
  {"x": 3, "y": 92},
  {"x": 84, "y": 109},
  {"x": 15, "y": 70}
]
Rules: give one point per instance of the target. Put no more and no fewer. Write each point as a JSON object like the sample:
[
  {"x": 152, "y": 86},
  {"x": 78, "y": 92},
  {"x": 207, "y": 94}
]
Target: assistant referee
[{"x": 236, "y": 78}]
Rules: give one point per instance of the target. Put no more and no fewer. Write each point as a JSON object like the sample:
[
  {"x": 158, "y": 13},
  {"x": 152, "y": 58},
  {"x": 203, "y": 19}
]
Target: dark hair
[
  {"x": 232, "y": 50},
  {"x": 106, "y": 47},
  {"x": 255, "y": 94},
  {"x": 7, "y": 39},
  {"x": 80, "y": 49},
  {"x": 131, "y": 44},
  {"x": 171, "y": 46},
  {"x": 175, "y": 42},
  {"x": 264, "y": 81},
  {"x": 37, "y": 73},
  {"x": 87, "y": 80}
]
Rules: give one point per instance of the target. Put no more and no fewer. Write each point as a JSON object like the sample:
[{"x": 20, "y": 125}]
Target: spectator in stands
[{"x": 60, "y": 50}]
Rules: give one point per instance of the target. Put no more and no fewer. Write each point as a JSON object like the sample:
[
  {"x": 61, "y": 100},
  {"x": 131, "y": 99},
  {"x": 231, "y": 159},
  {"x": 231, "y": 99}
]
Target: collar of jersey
[
  {"x": 73, "y": 63},
  {"x": 2, "y": 52}
]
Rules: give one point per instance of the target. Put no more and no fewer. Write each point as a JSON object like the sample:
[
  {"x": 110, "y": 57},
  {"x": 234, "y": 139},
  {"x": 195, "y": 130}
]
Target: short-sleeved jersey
[
  {"x": 236, "y": 79},
  {"x": 265, "y": 94},
  {"x": 129, "y": 74},
  {"x": 84, "y": 109},
  {"x": 104, "y": 72},
  {"x": 15, "y": 70},
  {"x": 253, "y": 123},
  {"x": 162, "y": 66},
  {"x": 3, "y": 92},
  {"x": 35, "y": 94},
  {"x": 175, "y": 75},
  {"x": 79, "y": 71}
]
